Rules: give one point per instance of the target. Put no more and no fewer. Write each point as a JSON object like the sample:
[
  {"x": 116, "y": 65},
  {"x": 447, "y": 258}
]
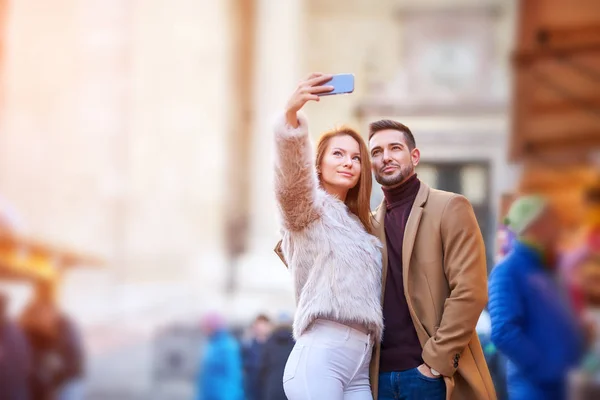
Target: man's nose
[{"x": 386, "y": 156}]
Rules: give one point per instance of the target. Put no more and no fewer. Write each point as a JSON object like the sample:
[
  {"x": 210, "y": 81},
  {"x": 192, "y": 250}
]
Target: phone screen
[{"x": 342, "y": 83}]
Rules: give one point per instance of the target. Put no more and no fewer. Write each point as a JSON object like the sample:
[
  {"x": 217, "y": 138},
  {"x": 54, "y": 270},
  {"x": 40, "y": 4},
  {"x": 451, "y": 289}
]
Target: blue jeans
[{"x": 410, "y": 385}]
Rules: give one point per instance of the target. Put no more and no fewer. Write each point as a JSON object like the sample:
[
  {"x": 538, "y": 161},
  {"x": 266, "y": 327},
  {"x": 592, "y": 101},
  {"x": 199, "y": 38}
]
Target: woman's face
[{"x": 341, "y": 165}]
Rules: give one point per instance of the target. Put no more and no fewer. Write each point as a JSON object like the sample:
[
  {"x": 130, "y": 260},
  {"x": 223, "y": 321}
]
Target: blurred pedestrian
[
  {"x": 334, "y": 259},
  {"x": 532, "y": 324},
  {"x": 57, "y": 350},
  {"x": 15, "y": 358},
  {"x": 253, "y": 354},
  {"x": 276, "y": 352},
  {"x": 588, "y": 248},
  {"x": 220, "y": 372}
]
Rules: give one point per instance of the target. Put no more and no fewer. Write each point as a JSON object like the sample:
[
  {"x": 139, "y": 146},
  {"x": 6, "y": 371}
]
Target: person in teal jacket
[
  {"x": 220, "y": 376},
  {"x": 532, "y": 324}
]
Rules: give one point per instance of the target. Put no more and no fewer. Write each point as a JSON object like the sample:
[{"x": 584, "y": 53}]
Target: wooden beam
[
  {"x": 556, "y": 107},
  {"x": 28, "y": 259}
]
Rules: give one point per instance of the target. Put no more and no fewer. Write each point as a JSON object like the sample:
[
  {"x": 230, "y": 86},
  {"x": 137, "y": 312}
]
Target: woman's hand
[{"x": 307, "y": 90}]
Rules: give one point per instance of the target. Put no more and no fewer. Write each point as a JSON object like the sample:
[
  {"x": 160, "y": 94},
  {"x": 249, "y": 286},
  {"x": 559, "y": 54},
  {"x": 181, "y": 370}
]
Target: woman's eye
[
  {"x": 356, "y": 158},
  {"x": 337, "y": 153}
]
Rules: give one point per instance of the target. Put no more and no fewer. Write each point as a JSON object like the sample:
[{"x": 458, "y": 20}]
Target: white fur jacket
[{"x": 335, "y": 263}]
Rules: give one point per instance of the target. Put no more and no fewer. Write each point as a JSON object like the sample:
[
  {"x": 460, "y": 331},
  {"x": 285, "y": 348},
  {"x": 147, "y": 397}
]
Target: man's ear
[{"x": 415, "y": 156}]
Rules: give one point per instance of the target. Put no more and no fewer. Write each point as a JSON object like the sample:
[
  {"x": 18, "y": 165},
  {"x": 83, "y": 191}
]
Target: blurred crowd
[
  {"x": 41, "y": 349},
  {"x": 244, "y": 366}
]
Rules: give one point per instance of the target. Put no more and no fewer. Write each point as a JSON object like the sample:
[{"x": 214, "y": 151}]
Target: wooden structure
[
  {"x": 556, "y": 115},
  {"x": 557, "y": 80},
  {"x": 29, "y": 260},
  {"x": 238, "y": 189}
]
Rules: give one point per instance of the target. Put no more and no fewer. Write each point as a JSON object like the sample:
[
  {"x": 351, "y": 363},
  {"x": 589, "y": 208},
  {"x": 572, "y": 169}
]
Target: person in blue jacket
[
  {"x": 220, "y": 376},
  {"x": 532, "y": 324}
]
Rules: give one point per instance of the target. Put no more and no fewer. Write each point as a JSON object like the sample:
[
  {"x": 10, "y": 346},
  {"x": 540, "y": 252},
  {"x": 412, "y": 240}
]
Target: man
[
  {"x": 275, "y": 355},
  {"x": 434, "y": 281},
  {"x": 253, "y": 354},
  {"x": 220, "y": 373},
  {"x": 531, "y": 323}
]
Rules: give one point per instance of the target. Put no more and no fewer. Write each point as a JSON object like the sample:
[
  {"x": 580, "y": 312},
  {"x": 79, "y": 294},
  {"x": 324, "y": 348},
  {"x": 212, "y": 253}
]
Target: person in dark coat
[
  {"x": 15, "y": 362},
  {"x": 275, "y": 354},
  {"x": 252, "y": 356}
]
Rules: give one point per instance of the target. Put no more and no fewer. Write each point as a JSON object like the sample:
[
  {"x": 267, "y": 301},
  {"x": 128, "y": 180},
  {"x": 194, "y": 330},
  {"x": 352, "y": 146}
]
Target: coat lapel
[{"x": 410, "y": 232}]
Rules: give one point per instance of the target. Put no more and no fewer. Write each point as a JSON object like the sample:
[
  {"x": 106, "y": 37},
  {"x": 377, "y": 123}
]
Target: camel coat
[{"x": 445, "y": 284}]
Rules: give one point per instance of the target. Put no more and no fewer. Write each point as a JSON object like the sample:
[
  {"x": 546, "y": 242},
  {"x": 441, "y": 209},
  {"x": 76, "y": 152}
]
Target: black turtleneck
[{"x": 400, "y": 349}]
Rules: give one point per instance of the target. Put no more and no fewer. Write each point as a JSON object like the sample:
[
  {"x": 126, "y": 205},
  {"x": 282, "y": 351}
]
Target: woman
[{"x": 334, "y": 260}]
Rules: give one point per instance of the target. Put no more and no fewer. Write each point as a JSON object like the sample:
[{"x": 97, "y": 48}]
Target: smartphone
[{"x": 342, "y": 83}]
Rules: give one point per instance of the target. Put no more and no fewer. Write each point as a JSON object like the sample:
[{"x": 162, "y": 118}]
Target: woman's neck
[{"x": 337, "y": 192}]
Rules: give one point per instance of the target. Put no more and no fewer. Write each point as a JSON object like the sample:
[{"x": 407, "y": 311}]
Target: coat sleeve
[
  {"x": 295, "y": 176},
  {"x": 506, "y": 313},
  {"x": 464, "y": 264}
]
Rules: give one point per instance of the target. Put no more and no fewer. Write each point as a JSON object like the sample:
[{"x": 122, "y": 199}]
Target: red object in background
[{"x": 594, "y": 240}]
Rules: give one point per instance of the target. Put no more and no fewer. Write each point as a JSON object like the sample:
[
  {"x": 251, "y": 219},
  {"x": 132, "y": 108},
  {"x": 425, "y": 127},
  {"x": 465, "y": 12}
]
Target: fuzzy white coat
[{"x": 336, "y": 264}]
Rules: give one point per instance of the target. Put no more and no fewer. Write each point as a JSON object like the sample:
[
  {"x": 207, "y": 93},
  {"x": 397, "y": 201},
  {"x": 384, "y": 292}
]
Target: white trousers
[{"x": 330, "y": 361}]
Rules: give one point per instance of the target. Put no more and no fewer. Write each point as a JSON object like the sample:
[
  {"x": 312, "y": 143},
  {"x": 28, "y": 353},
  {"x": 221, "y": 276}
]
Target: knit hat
[{"x": 523, "y": 212}]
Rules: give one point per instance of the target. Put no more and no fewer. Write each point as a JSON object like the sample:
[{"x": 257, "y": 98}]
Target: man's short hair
[
  {"x": 385, "y": 124},
  {"x": 262, "y": 318}
]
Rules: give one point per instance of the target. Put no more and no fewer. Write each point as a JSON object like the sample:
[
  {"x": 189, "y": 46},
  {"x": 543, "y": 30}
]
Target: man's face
[
  {"x": 392, "y": 160},
  {"x": 546, "y": 229},
  {"x": 550, "y": 228},
  {"x": 261, "y": 329}
]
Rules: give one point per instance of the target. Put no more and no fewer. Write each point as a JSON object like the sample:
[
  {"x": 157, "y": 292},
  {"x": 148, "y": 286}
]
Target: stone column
[{"x": 277, "y": 68}]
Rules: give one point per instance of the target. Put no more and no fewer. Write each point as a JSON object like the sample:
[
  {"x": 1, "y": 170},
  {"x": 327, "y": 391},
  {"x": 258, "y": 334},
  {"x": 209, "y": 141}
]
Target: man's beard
[{"x": 401, "y": 175}]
